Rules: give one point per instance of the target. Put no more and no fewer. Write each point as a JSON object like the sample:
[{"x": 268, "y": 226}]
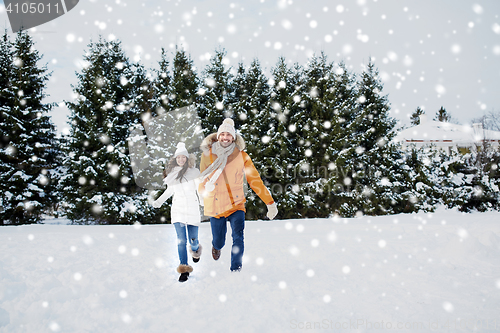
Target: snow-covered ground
[{"x": 419, "y": 272}]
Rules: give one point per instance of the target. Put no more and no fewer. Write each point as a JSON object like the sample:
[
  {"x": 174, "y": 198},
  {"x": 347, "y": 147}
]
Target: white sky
[{"x": 430, "y": 53}]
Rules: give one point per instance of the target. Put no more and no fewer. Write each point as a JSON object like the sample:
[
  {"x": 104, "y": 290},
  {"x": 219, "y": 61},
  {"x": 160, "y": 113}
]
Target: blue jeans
[
  {"x": 192, "y": 231},
  {"x": 219, "y": 229}
]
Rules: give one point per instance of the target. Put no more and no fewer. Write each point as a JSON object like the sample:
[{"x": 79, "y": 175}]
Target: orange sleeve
[
  {"x": 204, "y": 163},
  {"x": 254, "y": 180}
]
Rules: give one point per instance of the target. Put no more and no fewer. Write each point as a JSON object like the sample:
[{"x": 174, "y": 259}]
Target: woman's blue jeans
[
  {"x": 182, "y": 237},
  {"x": 219, "y": 229}
]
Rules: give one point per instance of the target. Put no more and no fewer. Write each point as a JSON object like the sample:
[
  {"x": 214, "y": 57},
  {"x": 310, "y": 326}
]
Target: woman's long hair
[{"x": 172, "y": 164}]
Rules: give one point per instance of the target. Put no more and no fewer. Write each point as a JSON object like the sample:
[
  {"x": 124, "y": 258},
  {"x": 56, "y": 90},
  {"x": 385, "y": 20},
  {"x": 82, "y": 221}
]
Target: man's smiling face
[{"x": 225, "y": 139}]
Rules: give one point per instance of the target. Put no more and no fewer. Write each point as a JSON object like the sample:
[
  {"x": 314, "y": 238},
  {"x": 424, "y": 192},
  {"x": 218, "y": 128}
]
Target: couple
[{"x": 223, "y": 166}]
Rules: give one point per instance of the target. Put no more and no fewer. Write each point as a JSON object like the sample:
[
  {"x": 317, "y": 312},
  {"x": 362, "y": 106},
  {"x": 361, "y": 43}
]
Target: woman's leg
[
  {"x": 193, "y": 237},
  {"x": 180, "y": 229}
]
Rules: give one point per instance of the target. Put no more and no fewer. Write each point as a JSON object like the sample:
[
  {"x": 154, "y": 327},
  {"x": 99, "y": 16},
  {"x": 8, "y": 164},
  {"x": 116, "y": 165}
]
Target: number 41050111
[{"x": 33, "y": 8}]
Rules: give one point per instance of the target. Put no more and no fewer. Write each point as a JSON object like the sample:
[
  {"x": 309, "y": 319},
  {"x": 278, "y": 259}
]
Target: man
[{"x": 223, "y": 167}]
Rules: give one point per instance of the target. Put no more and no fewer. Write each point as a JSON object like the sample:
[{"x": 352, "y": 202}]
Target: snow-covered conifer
[
  {"x": 27, "y": 153},
  {"x": 111, "y": 96},
  {"x": 216, "y": 99}
]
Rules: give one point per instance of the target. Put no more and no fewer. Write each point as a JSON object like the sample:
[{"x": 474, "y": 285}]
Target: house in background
[{"x": 448, "y": 137}]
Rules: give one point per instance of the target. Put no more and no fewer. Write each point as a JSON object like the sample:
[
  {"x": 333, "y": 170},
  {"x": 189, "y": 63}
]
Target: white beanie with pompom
[
  {"x": 227, "y": 126},
  {"x": 181, "y": 150}
]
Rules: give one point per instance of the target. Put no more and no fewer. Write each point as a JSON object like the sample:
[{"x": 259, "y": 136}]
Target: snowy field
[{"x": 414, "y": 273}]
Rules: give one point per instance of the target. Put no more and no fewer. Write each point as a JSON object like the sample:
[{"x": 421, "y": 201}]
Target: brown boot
[
  {"x": 195, "y": 254},
  {"x": 215, "y": 253},
  {"x": 184, "y": 270}
]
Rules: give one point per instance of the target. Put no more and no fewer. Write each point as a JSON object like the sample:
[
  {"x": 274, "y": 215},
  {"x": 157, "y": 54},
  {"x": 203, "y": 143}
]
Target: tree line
[{"x": 320, "y": 135}]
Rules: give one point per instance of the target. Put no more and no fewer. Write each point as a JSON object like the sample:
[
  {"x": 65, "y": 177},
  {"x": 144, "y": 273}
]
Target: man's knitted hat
[{"x": 227, "y": 126}]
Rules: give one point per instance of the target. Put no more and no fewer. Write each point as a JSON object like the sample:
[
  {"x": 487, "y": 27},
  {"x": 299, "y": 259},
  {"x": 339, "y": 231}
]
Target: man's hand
[{"x": 272, "y": 211}]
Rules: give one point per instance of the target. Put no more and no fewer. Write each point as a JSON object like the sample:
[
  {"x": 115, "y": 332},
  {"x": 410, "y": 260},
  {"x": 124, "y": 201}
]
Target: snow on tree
[
  {"x": 185, "y": 84},
  {"x": 112, "y": 95},
  {"x": 473, "y": 181},
  {"x": 162, "y": 89},
  {"x": 415, "y": 116},
  {"x": 27, "y": 151},
  {"x": 369, "y": 158},
  {"x": 255, "y": 121},
  {"x": 287, "y": 91},
  {"x": 442, "y": 115},
  {"x": 330, "y": 101},
  {"x": 216, "y": 93}
]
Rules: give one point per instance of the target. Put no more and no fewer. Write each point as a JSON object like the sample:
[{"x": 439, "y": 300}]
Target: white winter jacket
[{"x": 185, "y": 204}]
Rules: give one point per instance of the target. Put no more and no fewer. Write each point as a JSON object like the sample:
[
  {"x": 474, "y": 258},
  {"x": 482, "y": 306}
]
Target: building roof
[{"x": 430, "y": 131}]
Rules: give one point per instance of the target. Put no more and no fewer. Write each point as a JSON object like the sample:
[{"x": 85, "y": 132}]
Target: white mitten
[
  {"x": 272, "y": 211},
  {"x": 209, "y": 187},
  {"x": 156, "y": 204}
]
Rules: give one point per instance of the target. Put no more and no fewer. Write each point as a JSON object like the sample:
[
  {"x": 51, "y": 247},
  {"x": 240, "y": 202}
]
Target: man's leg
[
  {"x": 219, "y": 229},
  {"x": 237, "y": 220}
]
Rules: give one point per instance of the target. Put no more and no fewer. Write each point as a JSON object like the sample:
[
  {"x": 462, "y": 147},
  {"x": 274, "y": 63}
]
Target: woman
[{"x": 181, "y": 177}]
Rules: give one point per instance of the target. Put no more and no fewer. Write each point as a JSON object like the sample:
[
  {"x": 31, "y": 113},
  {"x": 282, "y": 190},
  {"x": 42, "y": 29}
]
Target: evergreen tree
[
  {"x": 7, "y": 94},
  {"x": 251, "y": 107},
  {"x": 369, "y": 160},
  {"x": 217, "y": 97},
  {"x": 185, "y": 82},
  {"x": 287, "y": 101},
  {"x": 112, "y": 95},
  {"x": 319, "y": 83},
  {"x": 442, "y": 115},
  {"x": 240, "y": 97},
  {"x": 162, "y": 86},
  {"x": 472, "y": 181},
  {"x": 415, "y": 116},
  {"x": 331, "y": 99},
  {"x": 256, "y": 123},
  {"x": 27, "y": 155},
  {"x": 342, "y": 99}
]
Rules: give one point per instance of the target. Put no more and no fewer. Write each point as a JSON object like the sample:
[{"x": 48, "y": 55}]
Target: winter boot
[
  {"x": 184, "y": 270},
  {"x": 195, "y": 254},
  {"x": 215, "y": 253},
  {"x": 184, "y": 277}
]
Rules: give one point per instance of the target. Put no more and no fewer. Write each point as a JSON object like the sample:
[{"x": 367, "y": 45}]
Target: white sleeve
[{"x": 167, "y": 194}]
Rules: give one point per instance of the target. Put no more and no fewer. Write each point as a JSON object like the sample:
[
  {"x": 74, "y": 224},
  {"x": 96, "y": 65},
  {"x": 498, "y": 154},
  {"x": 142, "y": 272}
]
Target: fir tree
[
  {"x": 415, "y": 116},
  {"x": 27, "y": 156},
  {"x": 7, "y": 94},
  {"x": 369, "y": 159},
  {"x": 162, "y": 86},
  {"x": 251, "y": 107},
  {"x": 342, "y": 99},
  {"x": 442, "y": 115},
  {"x": 319, "y": 83},
  {"x": 287, "y": 102},
  {"x": 257, "y": 122},
  {"x": 185, "y": 83},
  {"x": 331, "y": 99},
  {"x": 240, "y": 96},
  {"x": 217, "y": 93},
  {"x": 112, "y": 96}
]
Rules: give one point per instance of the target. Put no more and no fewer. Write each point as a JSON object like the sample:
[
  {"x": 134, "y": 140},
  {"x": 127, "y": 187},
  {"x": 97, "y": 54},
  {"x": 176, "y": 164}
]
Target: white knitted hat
[
  {"x": 181, "y": 150},
  {"x": 227, "y": 126}
]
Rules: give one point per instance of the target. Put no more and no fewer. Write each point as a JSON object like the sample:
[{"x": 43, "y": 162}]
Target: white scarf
[
  {"x": 172, "y": 176},
  {"x": 218, "y": 165}
]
